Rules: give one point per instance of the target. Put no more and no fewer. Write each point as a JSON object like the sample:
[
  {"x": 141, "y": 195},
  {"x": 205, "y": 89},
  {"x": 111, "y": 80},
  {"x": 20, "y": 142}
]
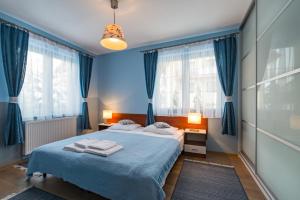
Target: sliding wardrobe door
[
  {"x": 249, "y": 88},
  {"x": 278, "y": 97}
]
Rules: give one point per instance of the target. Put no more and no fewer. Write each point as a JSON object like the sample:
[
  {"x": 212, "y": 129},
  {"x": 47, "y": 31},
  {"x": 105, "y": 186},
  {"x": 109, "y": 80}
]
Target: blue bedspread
[{"x": 137, "y": 172}]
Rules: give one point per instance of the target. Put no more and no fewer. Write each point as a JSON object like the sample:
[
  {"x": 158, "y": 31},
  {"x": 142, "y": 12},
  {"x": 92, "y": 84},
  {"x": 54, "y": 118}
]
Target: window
[
  {"x": 51, "y": 86},
  {"x": 187, "y": 81}
]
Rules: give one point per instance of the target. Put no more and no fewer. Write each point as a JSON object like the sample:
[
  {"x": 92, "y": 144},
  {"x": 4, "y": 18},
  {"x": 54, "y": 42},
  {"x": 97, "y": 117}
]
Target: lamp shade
[
  {"x": 113, "y": 37},
  {"x": 194, "y": 118},
  {"x": 107, "y": 114}
]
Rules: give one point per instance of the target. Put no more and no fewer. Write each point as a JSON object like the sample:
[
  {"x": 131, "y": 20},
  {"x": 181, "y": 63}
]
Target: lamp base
[{"x": 105, "y": 121}]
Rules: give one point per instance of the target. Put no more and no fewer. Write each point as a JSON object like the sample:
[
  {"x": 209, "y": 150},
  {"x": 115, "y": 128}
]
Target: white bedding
[{"x": 178, "y": 136}]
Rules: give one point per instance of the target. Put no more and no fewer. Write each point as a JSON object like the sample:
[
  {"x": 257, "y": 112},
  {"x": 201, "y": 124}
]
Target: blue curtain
[
  {"x": 14, "y": 46},
  {"x": 85, "y": 65},
  {"x": 225, "y": 53},
  {"x": 150, "y": 64}
]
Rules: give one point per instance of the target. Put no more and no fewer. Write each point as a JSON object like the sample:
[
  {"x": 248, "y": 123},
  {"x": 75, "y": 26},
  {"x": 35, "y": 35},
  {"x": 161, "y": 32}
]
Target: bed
[{"x": 138, "y": 171}]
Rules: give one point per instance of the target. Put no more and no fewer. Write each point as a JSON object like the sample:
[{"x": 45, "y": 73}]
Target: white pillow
[
  {"x": 163, "y": 131},
  {"x": 126, "y": 122},
  {"x": 161, "y": 125},
  {"x": 129, "y": 127}
]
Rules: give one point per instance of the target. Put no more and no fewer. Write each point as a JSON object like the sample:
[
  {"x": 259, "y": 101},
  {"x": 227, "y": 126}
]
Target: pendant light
[{"x": 113, "y": 36}]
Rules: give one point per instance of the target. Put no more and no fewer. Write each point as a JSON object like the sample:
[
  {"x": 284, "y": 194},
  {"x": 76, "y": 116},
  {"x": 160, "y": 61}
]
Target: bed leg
[{"x": 44, "y": 175}]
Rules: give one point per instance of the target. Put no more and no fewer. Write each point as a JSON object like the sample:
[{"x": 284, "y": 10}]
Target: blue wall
[
  {"x": 122, "y": 82},
  {"x": 121, "y": 87}
]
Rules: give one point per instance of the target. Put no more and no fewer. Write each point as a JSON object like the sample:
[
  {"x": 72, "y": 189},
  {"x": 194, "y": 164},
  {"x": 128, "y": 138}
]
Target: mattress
[{"x": 136, "y": 172}]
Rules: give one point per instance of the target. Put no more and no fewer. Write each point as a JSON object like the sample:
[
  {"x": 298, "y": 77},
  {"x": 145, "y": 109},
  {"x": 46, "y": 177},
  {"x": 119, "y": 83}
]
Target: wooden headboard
[{"x": 176, "y": 121}]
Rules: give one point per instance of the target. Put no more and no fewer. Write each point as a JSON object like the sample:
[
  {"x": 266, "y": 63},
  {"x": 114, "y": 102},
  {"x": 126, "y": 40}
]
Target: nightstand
[
  {"x": 103, "y": 126},
  {"x": 195, "y": 141}
]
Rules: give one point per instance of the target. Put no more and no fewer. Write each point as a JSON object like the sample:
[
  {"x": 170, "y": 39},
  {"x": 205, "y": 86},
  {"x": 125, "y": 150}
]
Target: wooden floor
[{"x": 13, "y": 180}]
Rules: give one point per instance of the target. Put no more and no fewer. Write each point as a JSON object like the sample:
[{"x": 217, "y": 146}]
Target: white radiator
[{"x": 40, "y": 132}]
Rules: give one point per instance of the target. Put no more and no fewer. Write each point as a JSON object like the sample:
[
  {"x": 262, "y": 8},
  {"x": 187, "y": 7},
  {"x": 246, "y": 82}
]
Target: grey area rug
[
  {"x": 35, "y": 194},
  {"x": 199, "y": 181}
]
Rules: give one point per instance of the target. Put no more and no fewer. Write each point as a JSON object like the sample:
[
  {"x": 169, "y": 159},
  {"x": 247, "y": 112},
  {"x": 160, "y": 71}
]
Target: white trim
[
  {"x": 266, "y": 192},
  {"x": 278, "y": 139},
  {"x": 209, "y": 163},
  {"x": 13, "y": 100},
  {"x": 84, "y": 99},
  {"x": 274, "y": 19},
  {"x": 228, "y": 99},
  {"x": 248, "y": 163},
  {"x": 248, "y": 123},
  {"x": 290, "y": 73}
]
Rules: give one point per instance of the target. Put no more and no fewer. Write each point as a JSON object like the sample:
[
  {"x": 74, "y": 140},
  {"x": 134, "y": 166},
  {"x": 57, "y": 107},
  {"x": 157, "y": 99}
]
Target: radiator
[{"x": 40, "y": 132}]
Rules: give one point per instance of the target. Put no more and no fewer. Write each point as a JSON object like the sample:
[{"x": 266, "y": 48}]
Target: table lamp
[
  {"x": 107, "y": 114},
  {"x": 194, "y": 118}
]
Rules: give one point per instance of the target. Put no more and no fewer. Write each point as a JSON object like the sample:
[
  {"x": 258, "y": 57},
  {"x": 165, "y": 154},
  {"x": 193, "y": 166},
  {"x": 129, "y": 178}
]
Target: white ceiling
[{"x": 144, "y": 21}]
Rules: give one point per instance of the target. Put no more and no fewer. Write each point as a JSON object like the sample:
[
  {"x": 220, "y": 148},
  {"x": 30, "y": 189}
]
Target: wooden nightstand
[
  {"x": 195, "y": 141},
  {"x": 103, "y": 126}
]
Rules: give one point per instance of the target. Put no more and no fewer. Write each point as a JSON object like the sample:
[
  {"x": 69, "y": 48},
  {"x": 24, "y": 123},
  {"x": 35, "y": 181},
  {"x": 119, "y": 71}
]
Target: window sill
[{"x": 50, "y": 118}]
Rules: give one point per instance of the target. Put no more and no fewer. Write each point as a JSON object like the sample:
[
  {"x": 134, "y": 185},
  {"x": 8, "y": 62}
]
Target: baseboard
[
  {"x": 266, "y": 192},
  {"x": 222, "y": 152},
  {"x": 9, "y": 164}
]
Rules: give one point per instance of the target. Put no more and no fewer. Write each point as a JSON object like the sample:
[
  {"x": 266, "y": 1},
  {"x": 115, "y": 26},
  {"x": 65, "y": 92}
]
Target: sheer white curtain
[
  {"x": 187, "y": 81},
  {"x": 51, "y": 87}
]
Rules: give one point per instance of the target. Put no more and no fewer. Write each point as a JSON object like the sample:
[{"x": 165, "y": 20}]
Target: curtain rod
[
  {"x": 39, "y": 34},
  {"x": 176, "y": 45}
]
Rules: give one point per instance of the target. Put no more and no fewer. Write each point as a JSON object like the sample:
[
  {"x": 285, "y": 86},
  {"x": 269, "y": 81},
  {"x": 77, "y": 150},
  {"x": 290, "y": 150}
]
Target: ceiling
[{"x": 144, "y": 21}]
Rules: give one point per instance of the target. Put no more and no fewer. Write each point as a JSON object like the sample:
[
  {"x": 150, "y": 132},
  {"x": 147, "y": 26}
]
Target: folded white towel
[
  {"x": 102, "y": 145},
  {"x": 74, "y": 148},
  {"x": 104, "y": 152},
  {"x": 84, "y": 143}
]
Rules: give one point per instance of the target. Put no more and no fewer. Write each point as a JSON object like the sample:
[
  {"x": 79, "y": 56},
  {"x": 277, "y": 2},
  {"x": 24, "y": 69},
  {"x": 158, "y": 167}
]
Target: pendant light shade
[{"x": 113, "y": 38}]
